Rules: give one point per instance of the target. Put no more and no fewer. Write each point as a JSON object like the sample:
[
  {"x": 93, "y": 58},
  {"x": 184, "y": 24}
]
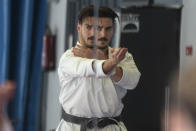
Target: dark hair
[{"x": 103, "y": 11}]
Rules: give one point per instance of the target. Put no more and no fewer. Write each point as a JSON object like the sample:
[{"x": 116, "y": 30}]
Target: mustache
[{"x": 100, "y": 39}]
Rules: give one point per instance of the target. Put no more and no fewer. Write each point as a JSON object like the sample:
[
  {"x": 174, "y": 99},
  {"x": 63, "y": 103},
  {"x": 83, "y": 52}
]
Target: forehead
[{"x": 101, "y": 21}]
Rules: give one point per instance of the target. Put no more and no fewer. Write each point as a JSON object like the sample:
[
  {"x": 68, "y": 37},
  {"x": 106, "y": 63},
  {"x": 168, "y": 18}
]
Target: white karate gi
[{"x": 86, "y": 91}]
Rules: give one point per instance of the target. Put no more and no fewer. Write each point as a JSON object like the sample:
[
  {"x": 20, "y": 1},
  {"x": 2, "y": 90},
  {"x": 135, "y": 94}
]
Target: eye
[
  {"x": 99, "y": 28},
  {"x": 109, "y": 28},
  {"x": 88, "y": 27}
]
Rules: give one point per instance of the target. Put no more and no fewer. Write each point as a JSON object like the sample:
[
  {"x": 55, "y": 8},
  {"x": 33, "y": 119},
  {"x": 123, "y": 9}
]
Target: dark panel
[{"x": 156, "y": 52}]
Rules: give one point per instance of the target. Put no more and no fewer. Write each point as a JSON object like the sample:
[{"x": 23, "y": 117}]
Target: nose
[
  {"x": 92, "y": 32},
  {"x": 102, "y": 33}
]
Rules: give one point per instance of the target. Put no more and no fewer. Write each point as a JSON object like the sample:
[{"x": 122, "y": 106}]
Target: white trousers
[{"x": 67, "y": 126}]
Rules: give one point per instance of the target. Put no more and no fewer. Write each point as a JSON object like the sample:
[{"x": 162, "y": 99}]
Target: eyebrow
[
  {"x": 108, "y": 27},
  {"x": 88, "y": 25}
]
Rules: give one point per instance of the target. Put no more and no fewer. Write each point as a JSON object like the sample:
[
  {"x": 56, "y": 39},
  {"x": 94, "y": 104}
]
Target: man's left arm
[{"x": 126, "y": 74}]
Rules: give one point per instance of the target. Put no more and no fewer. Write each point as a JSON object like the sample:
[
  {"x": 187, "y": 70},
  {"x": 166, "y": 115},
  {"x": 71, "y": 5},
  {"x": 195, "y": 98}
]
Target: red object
[
  {"x": 189, "y": 51},
  {"x": 48, "y": 53}
]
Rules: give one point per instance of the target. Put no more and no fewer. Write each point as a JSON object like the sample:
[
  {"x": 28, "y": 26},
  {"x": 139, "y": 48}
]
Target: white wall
[
  {"x": 188, "y": 33},
  {"x": 56, "y": 21}
]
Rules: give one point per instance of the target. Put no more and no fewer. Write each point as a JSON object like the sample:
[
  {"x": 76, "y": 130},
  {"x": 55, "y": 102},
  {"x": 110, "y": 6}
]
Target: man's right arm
[
  {"x": 73, "y": 66},
  {"x": 84, "y": 67}
]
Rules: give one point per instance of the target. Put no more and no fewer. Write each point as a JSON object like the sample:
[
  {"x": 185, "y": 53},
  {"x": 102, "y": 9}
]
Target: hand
[
  {"x": 117, "y": 57},
  {"x": 7, "y": 91},
  {"x": 100, "y": 54},
  {"x": 89, "y": 53},
  {"x": 83, "y": 52}
]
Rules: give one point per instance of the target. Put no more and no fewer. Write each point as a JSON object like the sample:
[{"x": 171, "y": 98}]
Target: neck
[
  {"x": 105, "y": 48},
  {"x": 94, "y": 47}
]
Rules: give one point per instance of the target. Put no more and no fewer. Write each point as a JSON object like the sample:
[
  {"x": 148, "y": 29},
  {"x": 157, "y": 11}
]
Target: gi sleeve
[
  {"x": 131, "y": 74},
  {"x": 80, "y": 67}
]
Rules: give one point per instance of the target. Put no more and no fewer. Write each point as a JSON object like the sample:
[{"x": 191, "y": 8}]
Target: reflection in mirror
[
  {"x": 154, "y": 44},
  {"x": 151, "y": 37}
]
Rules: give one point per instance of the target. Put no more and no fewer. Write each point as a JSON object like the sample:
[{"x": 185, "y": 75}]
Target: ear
[{"x": 79, "y": 27}]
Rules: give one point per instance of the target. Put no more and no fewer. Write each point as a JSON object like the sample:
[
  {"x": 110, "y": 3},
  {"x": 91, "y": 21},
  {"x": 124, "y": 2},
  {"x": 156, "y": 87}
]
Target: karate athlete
[{"x": 95, "y": 77}]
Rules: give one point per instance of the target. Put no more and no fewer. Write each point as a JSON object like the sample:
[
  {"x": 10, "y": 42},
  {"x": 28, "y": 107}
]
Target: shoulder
[{"x": 66, "y": 54}]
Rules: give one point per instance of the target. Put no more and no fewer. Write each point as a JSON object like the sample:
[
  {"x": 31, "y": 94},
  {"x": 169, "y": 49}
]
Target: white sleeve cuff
[{"x": 98, "y": 68}]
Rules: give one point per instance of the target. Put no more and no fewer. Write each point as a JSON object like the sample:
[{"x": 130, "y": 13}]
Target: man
[{"x": 94, "y": 77}]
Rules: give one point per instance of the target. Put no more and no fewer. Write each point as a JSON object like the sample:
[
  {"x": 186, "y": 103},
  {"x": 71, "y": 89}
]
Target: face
[{"x": 99, "y": 35}]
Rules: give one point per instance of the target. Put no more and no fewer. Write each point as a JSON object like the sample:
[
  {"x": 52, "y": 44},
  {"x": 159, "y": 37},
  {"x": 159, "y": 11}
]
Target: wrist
[
  {"x": 118, "y": 74},
  {"x": 108, "y": 65}
]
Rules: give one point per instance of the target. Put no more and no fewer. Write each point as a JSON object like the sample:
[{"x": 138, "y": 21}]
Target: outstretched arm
[
  {"x": 112, "y": 63},
  {"x": 108, "y": 64}
]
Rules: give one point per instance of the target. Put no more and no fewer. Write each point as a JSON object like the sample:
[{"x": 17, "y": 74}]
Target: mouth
[
  {"x": 103, "y": 39},
  {"x": 97, "y": 40}
]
